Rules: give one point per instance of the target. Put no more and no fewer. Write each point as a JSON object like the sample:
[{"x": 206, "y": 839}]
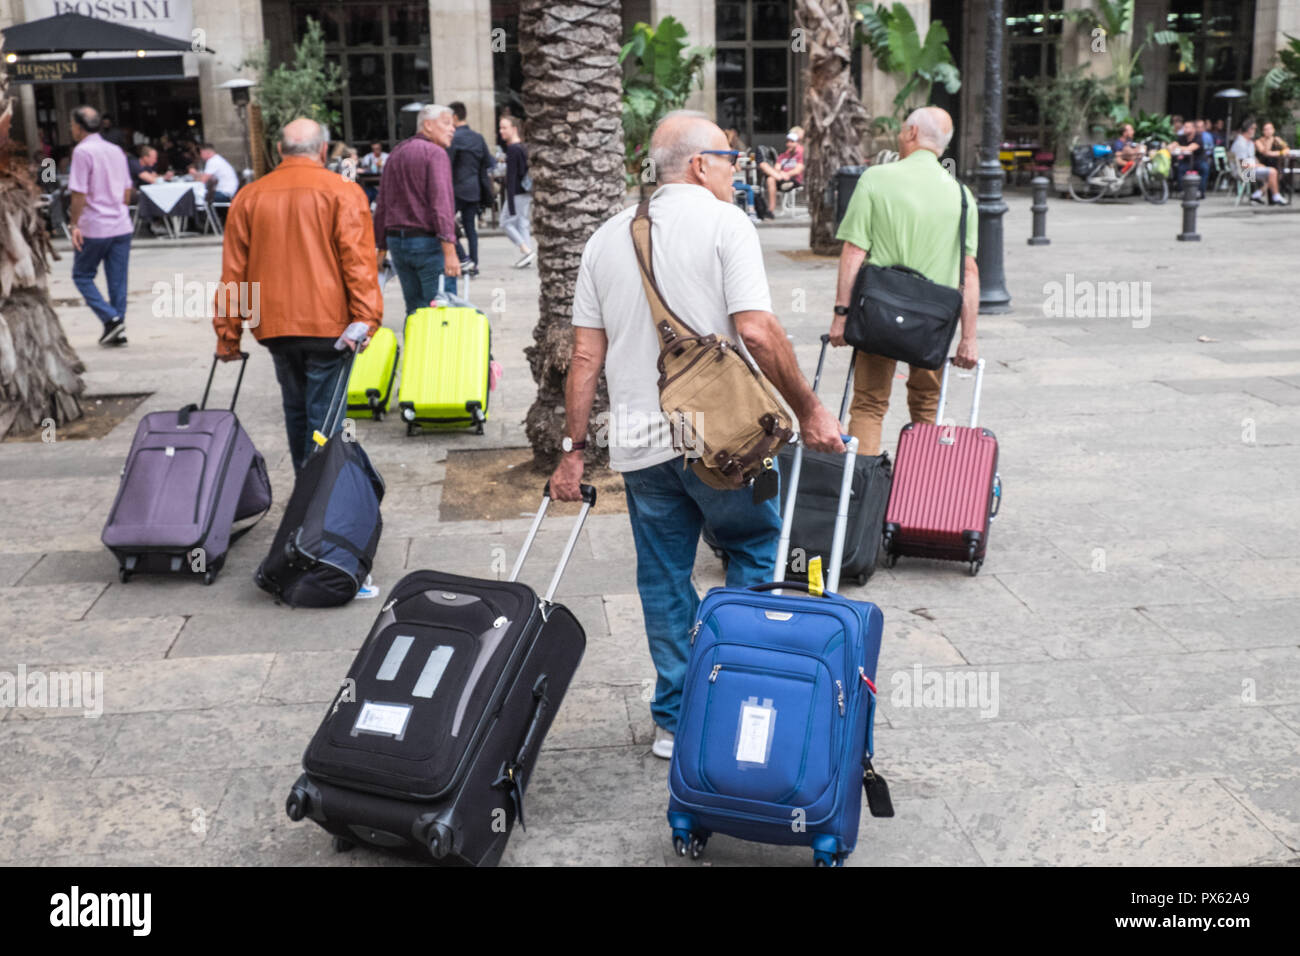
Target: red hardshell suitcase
[{"x": 946, "y": 488}]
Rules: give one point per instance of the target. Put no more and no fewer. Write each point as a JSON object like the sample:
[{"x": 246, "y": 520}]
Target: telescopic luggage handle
[
  {"x": 588, "y": 502},
  {"x": 243, "y": 363},
  {"x": 338, "y": 408},
  {"x": 975, "y": 399}
]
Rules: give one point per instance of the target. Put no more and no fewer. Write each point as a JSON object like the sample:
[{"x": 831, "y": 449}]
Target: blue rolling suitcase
[{"x": 774, "y": 740}]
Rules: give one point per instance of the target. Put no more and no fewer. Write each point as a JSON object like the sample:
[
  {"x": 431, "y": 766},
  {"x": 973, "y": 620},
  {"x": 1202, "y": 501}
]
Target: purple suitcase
[{"x": 190, "y": 475}]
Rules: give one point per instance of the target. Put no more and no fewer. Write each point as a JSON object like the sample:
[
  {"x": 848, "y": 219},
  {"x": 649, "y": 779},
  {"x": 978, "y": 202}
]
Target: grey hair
[
  {"x": 431, "y": 112},
  {"x": 87, "y": 118},
  {"x": 928, "y": 132},
  {"x": 303, "y": 146},
  {"x": 670, "y": 156}
]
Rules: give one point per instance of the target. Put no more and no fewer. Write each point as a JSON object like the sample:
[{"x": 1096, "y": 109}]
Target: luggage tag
[
  {"x": 767, "y": 484},
  {"x": 318, "y": 438},
  {"x": 816, "y": 586},
  {"x": 754, "y": 733}
]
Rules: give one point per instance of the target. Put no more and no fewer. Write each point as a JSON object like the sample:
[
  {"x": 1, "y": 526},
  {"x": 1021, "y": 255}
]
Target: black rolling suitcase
[
  {"x": 820, "y": 478},
  {"x": 429, "y": 746},
  {"x": 326, "y": 542}
]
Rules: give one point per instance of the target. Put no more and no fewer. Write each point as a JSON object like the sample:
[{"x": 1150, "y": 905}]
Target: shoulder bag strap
[
  {"x": 961, "y": 242},
  {"x": 667, "y": 324}
]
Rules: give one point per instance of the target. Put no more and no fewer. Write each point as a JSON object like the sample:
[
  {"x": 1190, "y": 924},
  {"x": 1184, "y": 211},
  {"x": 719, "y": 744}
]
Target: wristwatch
[
  {"x": 841, "y": 310},
  {"x": 568, "y": 444}
]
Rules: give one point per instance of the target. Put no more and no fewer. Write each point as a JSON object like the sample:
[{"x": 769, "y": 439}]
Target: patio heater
[
  {"x": 240, "y": 96},
  {"x": 1232, "y": 94}
]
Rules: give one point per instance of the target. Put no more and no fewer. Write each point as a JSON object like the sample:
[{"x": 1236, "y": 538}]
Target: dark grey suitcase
[
  {"x": 189, "y": 476},
  {"x": 820, "y": 478},
  {"x": 430, "y": 743}
]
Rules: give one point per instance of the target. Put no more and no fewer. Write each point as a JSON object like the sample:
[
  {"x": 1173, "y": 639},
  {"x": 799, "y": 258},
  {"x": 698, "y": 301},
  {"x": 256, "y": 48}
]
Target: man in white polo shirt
[
  {"x": 709, "y": 266},
  {"x": 217, "y": 170}
]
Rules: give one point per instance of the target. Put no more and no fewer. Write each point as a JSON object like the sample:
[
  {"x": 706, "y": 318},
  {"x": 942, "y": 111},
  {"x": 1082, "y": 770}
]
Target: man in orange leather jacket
[{"x": 298, "y": 268}]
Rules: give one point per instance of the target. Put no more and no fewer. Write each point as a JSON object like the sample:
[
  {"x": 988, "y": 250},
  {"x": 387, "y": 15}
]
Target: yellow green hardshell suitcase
[
  {"x": 371, "y": 384},
  {"x": 445, "y": 368}
]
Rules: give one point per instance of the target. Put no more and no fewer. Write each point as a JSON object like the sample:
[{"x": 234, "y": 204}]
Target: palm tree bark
[
  {"x": 836, "y": 123},
  {"x": 40, "y": 374},
  {"x": 573, "y": 88}
]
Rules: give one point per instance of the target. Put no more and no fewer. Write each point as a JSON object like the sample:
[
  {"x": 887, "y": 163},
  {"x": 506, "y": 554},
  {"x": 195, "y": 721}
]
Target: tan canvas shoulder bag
[{"x": 724, "y": 416}]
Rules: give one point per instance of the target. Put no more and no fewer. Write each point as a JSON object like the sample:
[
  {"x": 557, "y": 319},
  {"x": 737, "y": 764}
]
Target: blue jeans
[
  {"x": 113, "y": 251},
  {"x": 308, "y": 370},
  {"x": 418, "y": 262},
  {"x": 668, "y": 507},
  {"x": 747, "y": 189}
]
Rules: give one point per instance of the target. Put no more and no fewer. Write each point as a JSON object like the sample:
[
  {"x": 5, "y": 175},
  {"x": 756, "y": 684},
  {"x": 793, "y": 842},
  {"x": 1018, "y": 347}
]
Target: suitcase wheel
[
  {"x": 296, "y": 806},
  {"x": 822, "y": 858},
  {"x": 343, "y": 846},
  {"x": 684, "y": 840},
  {"x": 975, "y": 567},
  {"x": 123, "y": 575},
  {"x": 891, "y": 558},
  {"x": 412, "y": 429},
  {"x": 209, "y": 575}
]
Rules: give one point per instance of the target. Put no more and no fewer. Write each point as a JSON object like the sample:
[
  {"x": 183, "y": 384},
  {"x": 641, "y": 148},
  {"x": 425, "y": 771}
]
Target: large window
[
  {"x": 754, "y": 69},
  {"x": 383, "y": 49},
  {"x": 1032, "y": 39},
  {"x": 1222, "y": 33}
]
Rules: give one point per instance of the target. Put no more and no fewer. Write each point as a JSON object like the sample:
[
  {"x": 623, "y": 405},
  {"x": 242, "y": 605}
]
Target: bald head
[
  {"x": 930, "y": 128},
  {"x": 302, "y": 137},
  {"x": 678, "y": 137}
]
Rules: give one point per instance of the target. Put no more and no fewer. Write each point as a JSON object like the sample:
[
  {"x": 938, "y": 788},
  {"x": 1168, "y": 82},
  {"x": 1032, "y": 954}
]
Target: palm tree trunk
[
  {"x": 40, "y": 374},
  {"x": 573, "y": 88},
  {"x": 836, "y": 124}
]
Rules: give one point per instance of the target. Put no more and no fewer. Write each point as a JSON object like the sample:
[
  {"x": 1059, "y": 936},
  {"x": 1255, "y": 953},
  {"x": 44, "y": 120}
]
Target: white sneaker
[
  {"x": 527, "y": 260},
  {"x": 663, "y": 746}
]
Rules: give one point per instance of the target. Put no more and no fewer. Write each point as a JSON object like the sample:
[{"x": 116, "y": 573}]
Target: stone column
[
  {"x": 24, "y": 125},
  {"x": 233, "y": 28},
  {"x": 460, "y": 41},
  {"x": 1273, "y": 20},
  {"x": 1153, "y": 96},
  {"x": 697, "y": 16}
]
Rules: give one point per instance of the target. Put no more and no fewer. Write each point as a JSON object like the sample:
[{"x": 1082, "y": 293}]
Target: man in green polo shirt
[{"x": 907, "y": 213}]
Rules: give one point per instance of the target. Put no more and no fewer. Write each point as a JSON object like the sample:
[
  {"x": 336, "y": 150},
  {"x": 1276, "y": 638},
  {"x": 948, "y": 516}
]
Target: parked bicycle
[{"x": 1095, "y": 174}]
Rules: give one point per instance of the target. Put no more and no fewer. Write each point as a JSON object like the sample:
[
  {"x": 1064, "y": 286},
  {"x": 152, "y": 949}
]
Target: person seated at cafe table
[
  {"x": 1253, "y": 171},
  {"x": 1126, "y": 149},
  {"x": 142, "y": 161},
  {"x": 1271, "y": 149},
  {"x": 217, "y": 171}
]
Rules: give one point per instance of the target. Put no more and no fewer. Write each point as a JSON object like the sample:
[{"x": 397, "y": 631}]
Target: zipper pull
[
  {"x": 713, "y": 677},
  {"x": 695, "y": 630},
  {"x": 840, "y": 697},
  {"x": 388, "y": 606},
  {"x": 862, "y": 672}
]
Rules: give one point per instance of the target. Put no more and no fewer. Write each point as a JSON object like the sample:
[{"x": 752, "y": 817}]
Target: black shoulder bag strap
[{"x": 961, "y": 241}]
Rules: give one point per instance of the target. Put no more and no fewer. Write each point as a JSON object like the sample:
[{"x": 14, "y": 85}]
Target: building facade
[{"x": 398, "y": 53}]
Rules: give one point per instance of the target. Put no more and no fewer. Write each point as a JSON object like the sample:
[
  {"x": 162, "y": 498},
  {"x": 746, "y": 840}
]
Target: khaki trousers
[{"x": 873, "y": 380}]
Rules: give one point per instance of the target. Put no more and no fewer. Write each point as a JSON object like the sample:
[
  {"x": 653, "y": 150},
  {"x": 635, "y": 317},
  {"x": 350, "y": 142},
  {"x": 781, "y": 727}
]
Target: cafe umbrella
[{"x": 76, "y": 34}]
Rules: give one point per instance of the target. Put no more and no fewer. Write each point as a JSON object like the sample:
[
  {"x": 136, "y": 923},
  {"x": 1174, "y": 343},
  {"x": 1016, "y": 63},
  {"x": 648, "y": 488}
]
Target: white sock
[
  {"x": 1277, "y": 197},
  {"x": 1257, "y": 194}
]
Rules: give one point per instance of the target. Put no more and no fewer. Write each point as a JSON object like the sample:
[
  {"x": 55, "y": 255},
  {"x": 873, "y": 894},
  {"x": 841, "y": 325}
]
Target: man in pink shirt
[
  {"x": 415, "y": 215},
  {"x": 99, "y": 182}
]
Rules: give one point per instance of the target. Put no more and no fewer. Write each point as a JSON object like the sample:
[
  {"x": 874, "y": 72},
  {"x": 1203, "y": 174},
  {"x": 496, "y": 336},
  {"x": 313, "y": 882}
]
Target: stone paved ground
[{"x": 1137, "y": 608}]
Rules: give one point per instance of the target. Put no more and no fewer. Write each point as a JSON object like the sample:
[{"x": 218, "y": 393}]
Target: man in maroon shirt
[{"x": 415, "y": 213}]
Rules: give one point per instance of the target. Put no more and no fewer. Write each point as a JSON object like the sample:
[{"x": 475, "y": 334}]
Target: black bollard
[
  {"x": 1039, "y": 238},
  {"x": 1191, "y": 190}
]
